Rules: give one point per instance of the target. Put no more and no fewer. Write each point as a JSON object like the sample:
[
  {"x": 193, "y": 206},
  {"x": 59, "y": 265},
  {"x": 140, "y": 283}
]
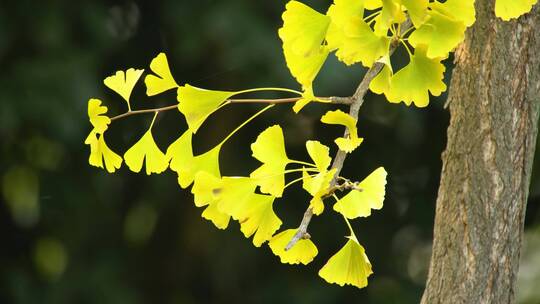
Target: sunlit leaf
[
  {"x": 197, "y": 104},
  {"x": 351, "y": 36},
  {"x": 180, "y": 152},
  {"x": 205, "y": 188},
  {"x": 146, "y": 150},
  {"x": 391, "y": 13},
  {"x": 340, "y": 13},
  {"x": 370, "y": 196},
  {"x": 352, "y": 141},
  {"x": 372, "y": 4},
  {"x": 123, "y": 82},
  {"x": 460, "y": 10},
  {"x": 319, "y": 153},
  {"x": 510, "y": 9},
  {"x": 440, "y": 34},
  {"x": 303, "y": 29},
  {"x": 417, "y": 10},
  {"x": 235, "y": 195},
  {"x": 207, "y": 162},
  {"x": 99, "y": 152},
  {"x": 95, "y": 114},
  {"x": 304, "y": 251},
  {"x": 305, "y": 68},
  {"x": 164, "y": 80},
  {"x": 349, "y": 265},
  {"x": 318, "y": 186},
  {"x": 414, "y": 82},
  {"x": 269, "y": 148},
  {"x": 260, "y": 220},
  {"x": 218, "y": 218}
]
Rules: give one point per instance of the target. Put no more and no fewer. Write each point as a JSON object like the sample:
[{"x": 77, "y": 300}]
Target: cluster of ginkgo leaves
[
  {"x": 359, "y": 31},
  {"x": 363, "y": 31}
]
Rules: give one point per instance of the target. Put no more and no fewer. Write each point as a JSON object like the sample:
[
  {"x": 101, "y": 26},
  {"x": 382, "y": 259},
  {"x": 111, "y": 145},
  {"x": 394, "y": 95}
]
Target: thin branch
[
  {"x": 167, "y": 108},
  {"x": 357, "y": 101},
  {"x": 333, "y": 100}
]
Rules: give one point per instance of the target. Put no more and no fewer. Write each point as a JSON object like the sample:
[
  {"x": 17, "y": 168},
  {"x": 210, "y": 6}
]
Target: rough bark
[{"x": 494, "y": 102}]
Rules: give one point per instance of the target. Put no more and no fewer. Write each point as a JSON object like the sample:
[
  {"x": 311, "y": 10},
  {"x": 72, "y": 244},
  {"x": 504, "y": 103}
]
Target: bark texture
[{"x": 494, "y": 101}]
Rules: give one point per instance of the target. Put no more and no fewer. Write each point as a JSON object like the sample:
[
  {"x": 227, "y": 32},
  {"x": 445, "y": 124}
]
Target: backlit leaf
[
  {"x": 304, "y": 251},
  {"x": 412, "y": 83},
  {"x": 123, "y": 82},
  {"x": 320, "y": 154},
  {"x": 510, "y": 9},
  {"x": 352, "y": 141},
  {"x": 370, "y": 196},
  {"x": 99, "y": 152},
  {"x": 146, "y": 150},
  {"x": 197, "y": 104},
  {"x": 303, "y": 29},
  {"x": 269, "y": 148},
  {"x": 164, "y": 80},
  {"x": 95, "y": 111},
  {"x": 350, "y": 265},
  {"x": 440, "y": 34},
  {"x": 260, "y": 220},
  {"x": 417, "y": 10}
]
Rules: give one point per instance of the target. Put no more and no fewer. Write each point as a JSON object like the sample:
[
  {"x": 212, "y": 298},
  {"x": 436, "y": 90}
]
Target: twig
[
  {"x": 357, "y": 101},
  {"x": 333, "y": 99}
]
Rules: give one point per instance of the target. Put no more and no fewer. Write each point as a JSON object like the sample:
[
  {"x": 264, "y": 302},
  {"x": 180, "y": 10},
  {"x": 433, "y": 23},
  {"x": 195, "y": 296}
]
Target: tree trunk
[{"x": 494, "y": 102}]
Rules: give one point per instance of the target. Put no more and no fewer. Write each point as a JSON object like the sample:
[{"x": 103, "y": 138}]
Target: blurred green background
[{"x": 71, "y": 233}]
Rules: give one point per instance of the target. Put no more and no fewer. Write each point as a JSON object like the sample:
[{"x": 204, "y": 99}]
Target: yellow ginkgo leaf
[
  {"x": 340, "y": 13},
  {"x": 164, "y": 80},
  {"x": 260, "y": 220},
  {"x": 391, "y": 13},
  {"x": 235, "y": 196},
  {"x": 305, "y": 68},
  {"x": 146, "y": 150},
  {"x": 372, "y": 4},
  {"x": 219, "y": 219},
  {"x": 381, "y": 83},
  {"x": 99, "y": 151},
  {"x": 269, "y": 148},
  {"x": 180, "y": 152},
  {"x": 320, "y": 154},
  {"x": 346, "y": 144},
  {"x": 207, "y": 162},
  {"x": 510, "y": 9},
  {"x": 440, "y": 33},
  {"x": 460, "y": 10},
  {"x": 197, "y": 104},
  {"x": 95, "y": 111},
  {"x": 206, "y": 188},
  {"x": 303, "y": 29},
  {"x": 350, "y": 265},
  {"x": 417, "y": 10},
  {"x": 369, "y": 196},
  {"x": 351, "y": 36},
  {"x": 412, "y": 83},
  {"x": 318, "y": 186},
  {"x": 361, "y": 44},
  {"x": 123, "y": 82},
  {"x": 304, "y": 251}
]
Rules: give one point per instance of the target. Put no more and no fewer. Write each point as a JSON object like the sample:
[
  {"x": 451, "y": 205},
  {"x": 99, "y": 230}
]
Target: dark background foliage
[{"x": 71, "y": 233}]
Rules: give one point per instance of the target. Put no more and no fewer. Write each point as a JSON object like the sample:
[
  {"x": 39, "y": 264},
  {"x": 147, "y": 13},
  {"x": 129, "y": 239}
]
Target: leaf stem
[
  {"x": 292, "y": 161},
  {"x": 153, "y": 120},
  {"x": 245, "y": 123},
  {"x": 268, "y": 89}
]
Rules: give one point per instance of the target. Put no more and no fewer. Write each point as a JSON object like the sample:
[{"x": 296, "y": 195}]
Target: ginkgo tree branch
[
  {"x": 332, "y": 100},
  {"x": 356, "y": 103}
]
